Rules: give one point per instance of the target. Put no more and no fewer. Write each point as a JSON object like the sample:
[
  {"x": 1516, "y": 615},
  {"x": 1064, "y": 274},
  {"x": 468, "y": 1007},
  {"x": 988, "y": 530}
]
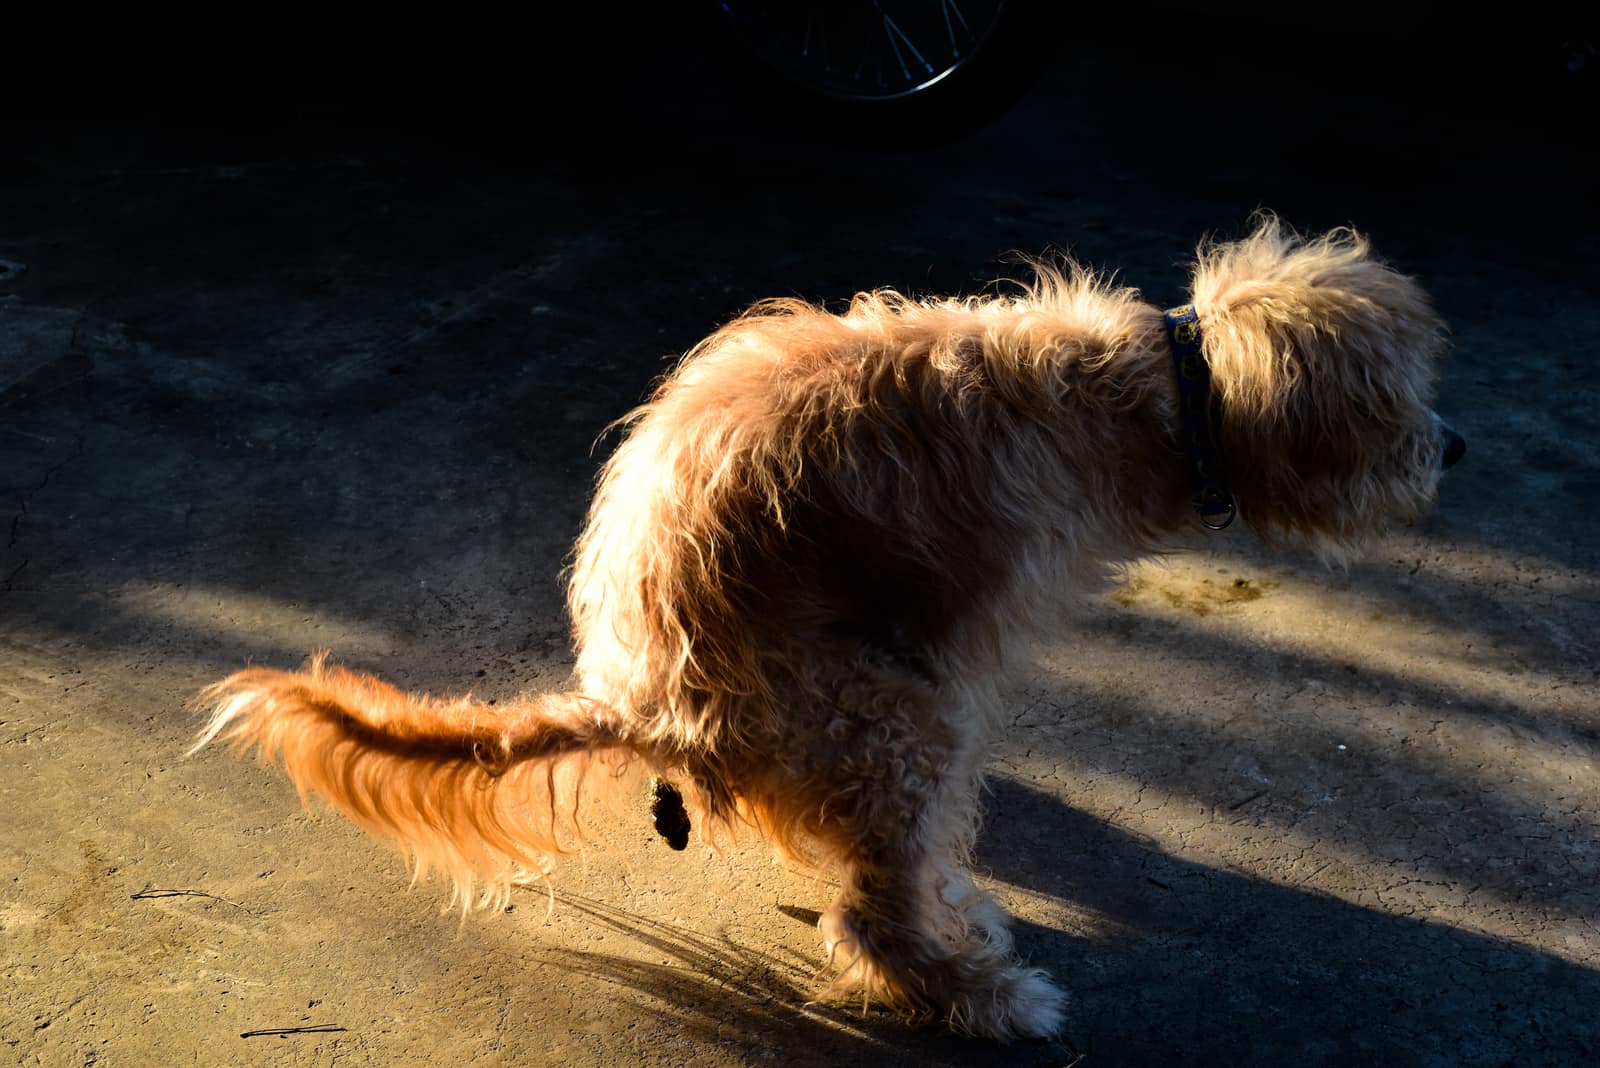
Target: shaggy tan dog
[{"x": 820, "y": 541}]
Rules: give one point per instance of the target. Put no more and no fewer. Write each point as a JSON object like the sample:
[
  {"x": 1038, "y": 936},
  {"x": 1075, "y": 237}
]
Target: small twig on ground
[
  {"x": 314, "y": 1029},
  {"x": 149, "y": 892}
]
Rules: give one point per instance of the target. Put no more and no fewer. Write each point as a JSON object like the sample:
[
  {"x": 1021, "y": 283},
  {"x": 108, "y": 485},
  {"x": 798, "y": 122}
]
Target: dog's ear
[{"x": 1323, "y": 363}]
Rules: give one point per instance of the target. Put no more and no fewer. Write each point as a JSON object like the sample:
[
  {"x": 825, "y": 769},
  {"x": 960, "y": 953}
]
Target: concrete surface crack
[
  {"x": 1237, "y": 805},
  {"x": 52, "y": 1018},
  {"x": 21, "y": 739},
  {"x": 15, "y": 535}
]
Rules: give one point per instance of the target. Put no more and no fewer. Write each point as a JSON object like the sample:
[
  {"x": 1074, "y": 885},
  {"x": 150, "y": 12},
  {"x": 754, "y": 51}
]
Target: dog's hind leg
[{"x": 909, "y": 925}]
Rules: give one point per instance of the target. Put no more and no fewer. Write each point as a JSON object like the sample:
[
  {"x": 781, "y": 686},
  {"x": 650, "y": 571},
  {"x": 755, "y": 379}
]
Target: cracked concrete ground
[{"x": 268, "y": 395}]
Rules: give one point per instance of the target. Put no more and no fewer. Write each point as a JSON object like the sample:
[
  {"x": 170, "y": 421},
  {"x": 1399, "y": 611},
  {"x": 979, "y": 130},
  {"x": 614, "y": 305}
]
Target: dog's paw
[
  {"x": 978, "y": 990},
  {"x": 1023, "y": 1003}
]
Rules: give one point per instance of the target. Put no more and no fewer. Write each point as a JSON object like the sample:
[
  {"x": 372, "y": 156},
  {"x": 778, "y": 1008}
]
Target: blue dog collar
[{"x": 1210, "y": 490}]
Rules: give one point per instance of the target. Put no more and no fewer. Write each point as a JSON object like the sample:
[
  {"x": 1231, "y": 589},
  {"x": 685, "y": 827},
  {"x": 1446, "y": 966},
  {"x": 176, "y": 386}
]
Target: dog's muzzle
[{"x": 1452, "y": 446}]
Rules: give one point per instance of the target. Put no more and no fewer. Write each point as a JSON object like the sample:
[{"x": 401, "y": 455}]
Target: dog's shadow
[
  {"x": 722, "y": 993},
  {"x": 1167, "y": 961}
]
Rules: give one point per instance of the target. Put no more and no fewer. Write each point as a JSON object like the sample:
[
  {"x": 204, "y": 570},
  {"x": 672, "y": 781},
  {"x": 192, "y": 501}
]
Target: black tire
[{"x": 889, "y": 70}]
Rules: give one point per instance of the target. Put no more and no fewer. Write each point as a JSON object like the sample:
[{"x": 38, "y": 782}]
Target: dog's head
[{"x": 1323, "y": 363}]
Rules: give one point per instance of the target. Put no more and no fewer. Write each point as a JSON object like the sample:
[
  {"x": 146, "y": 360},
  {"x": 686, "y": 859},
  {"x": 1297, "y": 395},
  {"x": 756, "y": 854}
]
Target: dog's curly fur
[{"x": 820, "y": 541}]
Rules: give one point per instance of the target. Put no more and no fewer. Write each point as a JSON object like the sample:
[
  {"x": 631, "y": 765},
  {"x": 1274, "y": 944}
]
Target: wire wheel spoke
[{"x": 864, "y": 49}]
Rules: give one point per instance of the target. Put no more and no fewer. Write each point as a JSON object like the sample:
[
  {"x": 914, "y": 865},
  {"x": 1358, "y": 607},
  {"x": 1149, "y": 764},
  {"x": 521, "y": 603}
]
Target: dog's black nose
[{"x": 1455, "y": 446}]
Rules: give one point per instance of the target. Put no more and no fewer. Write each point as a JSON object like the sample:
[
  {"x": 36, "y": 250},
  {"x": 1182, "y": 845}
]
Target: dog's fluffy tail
[{"x": 484, "y": 793}]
